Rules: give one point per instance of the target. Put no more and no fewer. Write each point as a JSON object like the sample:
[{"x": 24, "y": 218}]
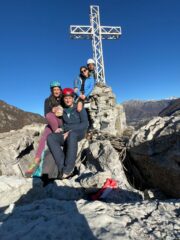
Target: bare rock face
[
  {"x": 105, "y": 114},
  {"x": 155, "y": 151},
  {"x": 17, "y": 149},
  {"x": 102, "y": 158},
  {"x": 103, "y": 162}
]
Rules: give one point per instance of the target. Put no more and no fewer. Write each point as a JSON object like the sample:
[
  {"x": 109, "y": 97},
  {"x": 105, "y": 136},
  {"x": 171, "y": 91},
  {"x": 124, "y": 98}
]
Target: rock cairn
[{"x": 105, "y": 114}]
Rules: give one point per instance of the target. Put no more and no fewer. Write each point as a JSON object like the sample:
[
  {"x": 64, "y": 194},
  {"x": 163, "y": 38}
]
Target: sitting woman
[
  {"x": 83, "y": 86},
  {"x": 53, "y": 113}
]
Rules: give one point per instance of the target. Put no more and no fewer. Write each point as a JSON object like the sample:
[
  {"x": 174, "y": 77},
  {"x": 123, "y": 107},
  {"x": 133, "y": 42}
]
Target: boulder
[
  {"x": 103, "y": 161},
  {"x": 17, "y": 149},
  {"x": 102, "y": 157},
  {"x": 154, "y": 151}
]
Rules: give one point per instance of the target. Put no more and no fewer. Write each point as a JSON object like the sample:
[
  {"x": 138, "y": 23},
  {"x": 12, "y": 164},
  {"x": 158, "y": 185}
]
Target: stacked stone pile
[{"x": 105, "y": 114}]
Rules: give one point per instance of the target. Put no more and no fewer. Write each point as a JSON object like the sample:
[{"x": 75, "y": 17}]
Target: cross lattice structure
[{"x": 96, "y": 33}]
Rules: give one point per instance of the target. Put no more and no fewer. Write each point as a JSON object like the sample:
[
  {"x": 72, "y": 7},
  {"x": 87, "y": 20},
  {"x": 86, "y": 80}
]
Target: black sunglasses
[{"x": 85, "y": 70}]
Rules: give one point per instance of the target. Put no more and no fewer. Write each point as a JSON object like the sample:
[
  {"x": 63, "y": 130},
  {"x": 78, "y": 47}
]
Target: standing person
[
  {"x": 75, "y": 125},
  {"x": 91, "y": 67},
  {"x": 53, "y": 113},
  {"x": 83, "y": 86}
]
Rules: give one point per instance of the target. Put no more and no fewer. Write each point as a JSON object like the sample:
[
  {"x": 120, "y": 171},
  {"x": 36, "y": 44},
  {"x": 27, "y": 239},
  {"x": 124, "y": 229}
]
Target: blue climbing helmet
[{"x": 55, "y": 84}]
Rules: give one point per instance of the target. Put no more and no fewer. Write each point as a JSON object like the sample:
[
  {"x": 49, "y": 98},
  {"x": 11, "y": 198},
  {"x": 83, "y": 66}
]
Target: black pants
[{"x": 65, "y": 158}]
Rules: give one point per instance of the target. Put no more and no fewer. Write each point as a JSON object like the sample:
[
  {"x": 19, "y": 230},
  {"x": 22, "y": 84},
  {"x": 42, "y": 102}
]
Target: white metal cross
[{"x": 96, "y": 33}]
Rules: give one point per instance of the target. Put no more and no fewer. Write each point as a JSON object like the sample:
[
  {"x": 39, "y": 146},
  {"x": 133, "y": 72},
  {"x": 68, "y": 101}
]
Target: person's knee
[
  {"x": 55, "y": 139},
  {"x": 72, "y": 137},
  {"x": 51, "y": 139},
  {"x": 78, "y": 135},
  {"x": 49, "y": 116}
]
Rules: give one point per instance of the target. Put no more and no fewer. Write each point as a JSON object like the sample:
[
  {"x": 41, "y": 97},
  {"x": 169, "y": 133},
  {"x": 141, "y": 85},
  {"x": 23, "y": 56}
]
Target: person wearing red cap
[{"x": 75, "y": 125}]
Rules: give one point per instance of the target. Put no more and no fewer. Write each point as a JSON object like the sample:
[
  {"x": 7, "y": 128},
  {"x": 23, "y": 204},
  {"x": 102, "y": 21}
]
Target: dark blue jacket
[{"x": 75, "y": 120}]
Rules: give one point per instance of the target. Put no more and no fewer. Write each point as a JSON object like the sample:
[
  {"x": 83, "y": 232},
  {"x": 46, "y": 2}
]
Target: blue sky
[{"x": 35, "y": 48}]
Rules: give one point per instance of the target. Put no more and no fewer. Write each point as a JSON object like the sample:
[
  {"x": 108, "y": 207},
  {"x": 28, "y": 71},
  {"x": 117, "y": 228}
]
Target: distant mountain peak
[
  {"x": 139, "y": 112},
  {"x": 13, "y": 118}
]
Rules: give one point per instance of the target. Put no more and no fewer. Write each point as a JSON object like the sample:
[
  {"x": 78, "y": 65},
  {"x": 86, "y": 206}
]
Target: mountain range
[
  {"x": 13, "y": 118},
  {"x": 139, "y": 112}
]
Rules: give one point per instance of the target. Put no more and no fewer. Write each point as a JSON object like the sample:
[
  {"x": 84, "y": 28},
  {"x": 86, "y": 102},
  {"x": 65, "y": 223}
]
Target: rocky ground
[
  {"x": 60, "y": 211},
  {"x": 145, "y": 205}
]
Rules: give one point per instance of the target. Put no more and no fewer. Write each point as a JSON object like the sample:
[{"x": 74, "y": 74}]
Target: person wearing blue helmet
[
  {"x": 54, "y": 99},
  {"x": 53, "y": 112}
]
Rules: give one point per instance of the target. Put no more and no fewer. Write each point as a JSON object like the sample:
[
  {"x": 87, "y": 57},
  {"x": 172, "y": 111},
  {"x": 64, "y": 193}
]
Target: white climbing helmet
[{"x": 90, "y": 60}]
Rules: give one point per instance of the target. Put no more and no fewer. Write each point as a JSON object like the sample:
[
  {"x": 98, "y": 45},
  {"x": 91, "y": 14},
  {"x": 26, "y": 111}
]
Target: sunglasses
[{"x": 85, "y": 70}]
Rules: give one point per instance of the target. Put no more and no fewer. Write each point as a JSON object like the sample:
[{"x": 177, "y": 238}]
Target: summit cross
[{"x": 96, "y": 33}]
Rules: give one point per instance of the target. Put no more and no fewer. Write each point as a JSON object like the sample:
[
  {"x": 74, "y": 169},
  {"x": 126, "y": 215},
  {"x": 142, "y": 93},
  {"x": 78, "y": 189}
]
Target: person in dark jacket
[
  {"x": 53, "y": 113},
  {"x": 75, "y": 124}
]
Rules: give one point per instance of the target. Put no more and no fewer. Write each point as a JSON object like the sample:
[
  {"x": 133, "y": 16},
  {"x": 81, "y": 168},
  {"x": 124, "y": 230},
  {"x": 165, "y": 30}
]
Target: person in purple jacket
[{"x": 53, "y": 113}]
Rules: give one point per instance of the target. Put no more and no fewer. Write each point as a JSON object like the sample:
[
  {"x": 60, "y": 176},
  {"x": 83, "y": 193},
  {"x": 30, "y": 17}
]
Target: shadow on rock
[
  {"x": 42, "y": 214},
  {"x": 49, "y": 209}
]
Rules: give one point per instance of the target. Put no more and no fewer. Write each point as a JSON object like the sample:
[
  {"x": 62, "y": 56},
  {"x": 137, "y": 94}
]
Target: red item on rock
[{"x": 108, "y": 186}]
